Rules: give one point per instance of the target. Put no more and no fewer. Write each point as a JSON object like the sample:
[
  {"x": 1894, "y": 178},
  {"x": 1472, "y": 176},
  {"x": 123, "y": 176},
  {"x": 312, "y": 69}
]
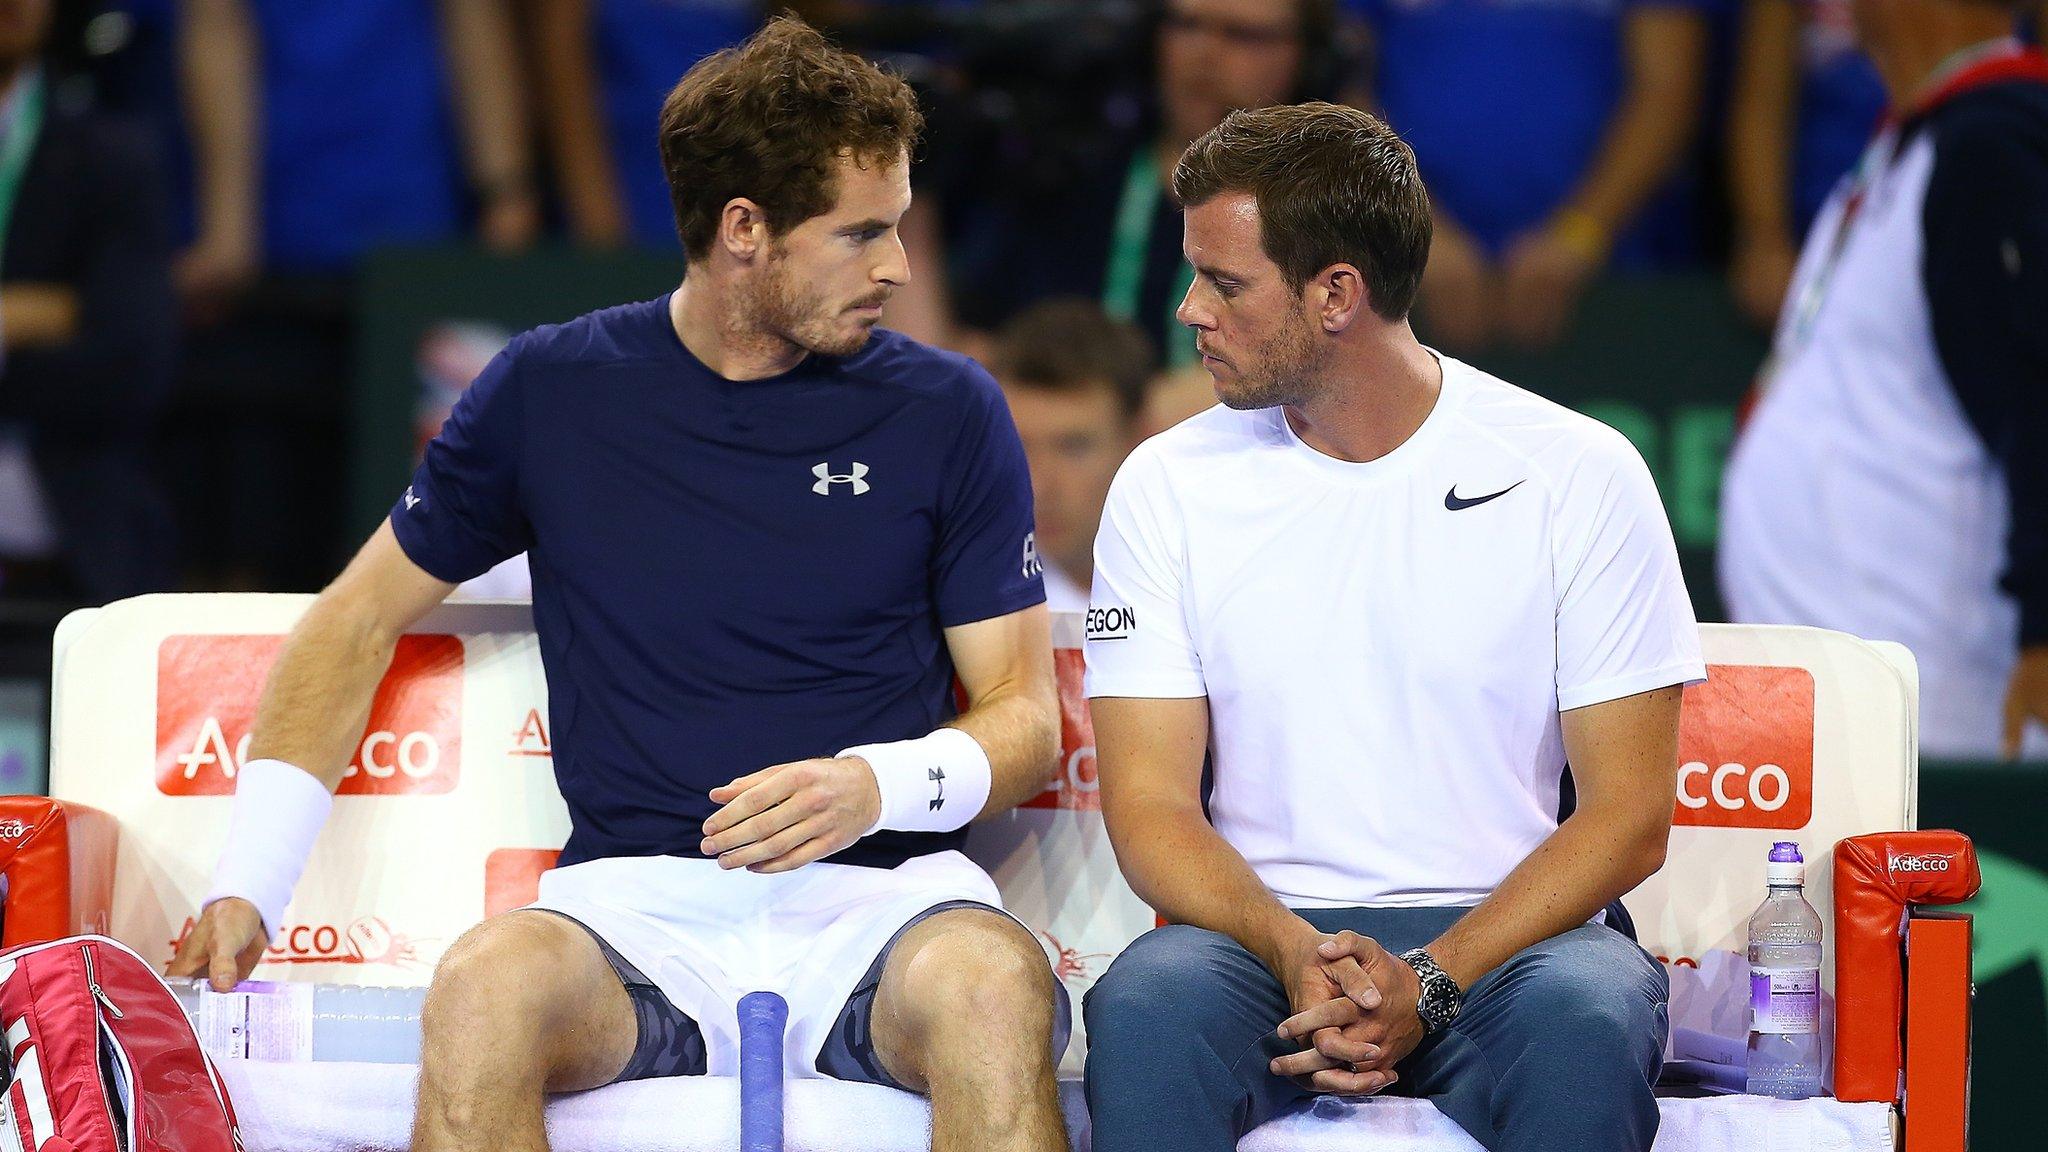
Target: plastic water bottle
[
  {"x": 262, "y": 1020},
  {"x": 1784, "y": 984}
]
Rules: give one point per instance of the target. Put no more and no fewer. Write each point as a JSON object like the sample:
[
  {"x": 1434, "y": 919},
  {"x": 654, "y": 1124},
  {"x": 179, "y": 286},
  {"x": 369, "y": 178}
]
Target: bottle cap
[{"x": 1786, "y": 865}]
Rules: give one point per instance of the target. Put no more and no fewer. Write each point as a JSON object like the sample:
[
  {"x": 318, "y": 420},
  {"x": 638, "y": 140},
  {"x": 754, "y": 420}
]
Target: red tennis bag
[{"x": 100, "y": 1057}]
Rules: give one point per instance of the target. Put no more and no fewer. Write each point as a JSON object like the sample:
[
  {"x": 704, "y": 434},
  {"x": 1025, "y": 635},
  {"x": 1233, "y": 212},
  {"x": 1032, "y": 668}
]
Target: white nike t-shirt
[{"x": 1386, "y": 646}]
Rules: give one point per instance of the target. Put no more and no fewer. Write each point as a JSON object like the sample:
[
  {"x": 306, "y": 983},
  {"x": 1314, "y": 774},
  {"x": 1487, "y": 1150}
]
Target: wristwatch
[{"x": 1441, "y": 997}]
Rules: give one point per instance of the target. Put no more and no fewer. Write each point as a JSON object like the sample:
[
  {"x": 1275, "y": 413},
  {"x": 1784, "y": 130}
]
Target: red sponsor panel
[
  {"x": 207, "y": 688},
  {"x": 512, "y": 877},
  {"x": 1745, "y": 749},
  {"x": 1076, "y": 785}
]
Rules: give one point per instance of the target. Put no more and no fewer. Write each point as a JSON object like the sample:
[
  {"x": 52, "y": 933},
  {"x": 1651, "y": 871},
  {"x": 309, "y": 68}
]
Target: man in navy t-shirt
[{"x": 764, "y": 541}]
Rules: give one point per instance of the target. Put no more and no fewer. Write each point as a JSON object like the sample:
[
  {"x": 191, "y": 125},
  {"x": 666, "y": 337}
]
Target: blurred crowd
[{"x": 177, "y": 317}]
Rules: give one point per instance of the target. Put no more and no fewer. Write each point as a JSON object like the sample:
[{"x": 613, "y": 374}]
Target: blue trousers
[{"x": 1556, "y": 1049}]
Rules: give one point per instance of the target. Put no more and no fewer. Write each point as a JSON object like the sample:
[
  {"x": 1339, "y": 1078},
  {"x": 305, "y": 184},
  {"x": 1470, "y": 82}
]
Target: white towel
[{"x": 313, "y": 1107}]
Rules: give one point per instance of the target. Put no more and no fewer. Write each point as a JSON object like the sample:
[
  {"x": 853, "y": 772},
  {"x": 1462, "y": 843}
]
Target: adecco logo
[
  {"x": 206, "y": 693},
  {"x": 364, "y": 940},
  {"x": 1076, "y": 786},
  {"x": 1745, "y": 749},
  {"x": 1927, "y": 862}
]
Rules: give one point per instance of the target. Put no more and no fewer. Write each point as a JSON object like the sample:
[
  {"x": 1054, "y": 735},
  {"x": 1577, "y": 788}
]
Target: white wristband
[
  {"x": 936, "y": 783},
  {"x": 278, "y": 812}
]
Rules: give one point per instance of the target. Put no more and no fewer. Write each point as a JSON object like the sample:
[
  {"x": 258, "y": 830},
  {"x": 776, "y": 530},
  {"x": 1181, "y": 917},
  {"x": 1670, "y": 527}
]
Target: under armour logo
[
  {"x": 411, "y": 501},
  {"x": 1032, "y": 567},
  {"x": 938, "y": 776},
  {"x": 826, "y": 479}
]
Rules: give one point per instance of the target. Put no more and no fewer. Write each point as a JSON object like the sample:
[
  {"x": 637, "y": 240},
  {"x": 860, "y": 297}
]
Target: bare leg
[
  {"x": 524, "y": 1004},
  {"x": 964, "y": 1014}
]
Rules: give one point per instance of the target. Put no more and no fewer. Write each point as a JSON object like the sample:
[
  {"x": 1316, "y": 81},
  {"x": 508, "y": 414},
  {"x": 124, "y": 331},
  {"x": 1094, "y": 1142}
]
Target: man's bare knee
[
  {"x": 528, "y": 999},
  {"x": 965, "y": 979}
]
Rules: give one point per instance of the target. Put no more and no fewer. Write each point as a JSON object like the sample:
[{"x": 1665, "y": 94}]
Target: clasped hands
[{"x": 1354, "y": 1013}]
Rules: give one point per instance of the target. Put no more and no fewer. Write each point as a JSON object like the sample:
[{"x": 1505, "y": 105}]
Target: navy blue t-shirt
[{"x": 728, "y": 575}]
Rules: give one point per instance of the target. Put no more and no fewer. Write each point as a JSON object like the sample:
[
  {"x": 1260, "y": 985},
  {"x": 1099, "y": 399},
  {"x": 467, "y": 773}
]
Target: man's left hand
[
  {"x": 2026, "y": 697},
  {"x": 1349, "y": 1036},
  {"x": 786, "y": 816}
]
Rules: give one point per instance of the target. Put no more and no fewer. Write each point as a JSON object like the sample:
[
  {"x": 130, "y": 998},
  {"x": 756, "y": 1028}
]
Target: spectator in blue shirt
[
  {"x": 1805, "y": 102},
  {"x": 1542, "y": 127},
  {"x": 319, "y": 131}
]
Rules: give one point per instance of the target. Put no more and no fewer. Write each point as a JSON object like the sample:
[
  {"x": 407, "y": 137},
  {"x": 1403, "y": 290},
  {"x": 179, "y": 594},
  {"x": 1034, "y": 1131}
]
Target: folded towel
[{"x": 313, "y": 1107}]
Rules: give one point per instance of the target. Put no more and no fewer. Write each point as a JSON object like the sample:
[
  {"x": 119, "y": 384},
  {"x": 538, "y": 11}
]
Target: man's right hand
[
  {"x": 223, "y": 946},
  {"x": 1329, "y": 994}
]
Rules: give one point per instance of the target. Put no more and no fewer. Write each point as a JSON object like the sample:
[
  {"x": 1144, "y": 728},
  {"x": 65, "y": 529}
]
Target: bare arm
[
  {"x": 1624, "y": 758},
  {"x": 318, "y": 696},
  {"x": 577, "y": 137},
  {"x": 490, "y": 106},
  {"x": 1005, "y": 664},
  {"x": 788, "y": 815},
  {"x": 1666, "y": 57},
  {"x": 1759, "y": 153},
  {"x": 312, "y": 713},
  {"x": 1549, "y": 266},
  {"x": 219, "y": 76},
  {"x": 1149, "y": 755}
]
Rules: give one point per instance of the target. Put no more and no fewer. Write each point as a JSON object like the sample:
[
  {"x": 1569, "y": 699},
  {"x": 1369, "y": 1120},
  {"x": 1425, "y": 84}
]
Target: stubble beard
[
  {"x": 798, "y": 314},
  {"x": 1285, "y": 370}
]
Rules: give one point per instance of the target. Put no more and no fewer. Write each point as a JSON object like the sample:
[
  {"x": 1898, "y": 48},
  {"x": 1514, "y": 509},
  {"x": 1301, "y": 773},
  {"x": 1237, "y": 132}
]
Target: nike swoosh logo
[{"x": 1457, "y": 503}]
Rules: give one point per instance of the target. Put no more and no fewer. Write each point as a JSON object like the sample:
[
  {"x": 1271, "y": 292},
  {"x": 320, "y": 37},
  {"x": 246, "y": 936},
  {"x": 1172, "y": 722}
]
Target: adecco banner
[
  {"x": 457, "y": 813},
  {"x": 207, "y": 688},
  {"x": 1745, "y": 749},
  {"x": 1798, "y": 734},
  {"x": 152, "y": 707}
]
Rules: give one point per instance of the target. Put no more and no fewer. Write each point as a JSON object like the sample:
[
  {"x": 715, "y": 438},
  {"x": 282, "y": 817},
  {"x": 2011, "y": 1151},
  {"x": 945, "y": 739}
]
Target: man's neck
[
  {"x": 1913, "y": 60},
  {"x": 1377, "y": 397},
  {"x": 716, "y": 329}
]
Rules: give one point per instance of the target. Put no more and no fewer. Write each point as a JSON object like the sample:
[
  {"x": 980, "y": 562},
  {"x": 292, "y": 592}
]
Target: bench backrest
[{"x": 450, "y": 812}]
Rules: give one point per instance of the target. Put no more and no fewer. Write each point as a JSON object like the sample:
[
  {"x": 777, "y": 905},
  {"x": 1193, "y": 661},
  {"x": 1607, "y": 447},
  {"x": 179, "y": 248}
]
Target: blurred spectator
[
  {"x": 87, "y": 329},
  {"x": 319, "y": 132},
  {"x": 603, "y": 68},
  {"x": 1806, "y": 100},
  {"x": 1075, "y": 380},
  {"x": 1174, "y": 396},
  {"x": 1543, "y": 128},
  {"x": 1112, "y": 233},
  {"x": 1893, "y": 479}
]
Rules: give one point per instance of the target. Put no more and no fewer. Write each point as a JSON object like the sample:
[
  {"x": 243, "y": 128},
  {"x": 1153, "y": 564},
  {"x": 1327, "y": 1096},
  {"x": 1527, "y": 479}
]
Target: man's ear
[
  {"x": 1339, "y": 296},
  {"x": 742, "y": 228}
]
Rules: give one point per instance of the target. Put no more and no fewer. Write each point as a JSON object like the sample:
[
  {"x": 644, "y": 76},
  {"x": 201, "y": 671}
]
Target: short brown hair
[
  {"x": 1072, "y": 345},
  {"x": 768, "y": 120},
  {"x": 1333, "y": 185}
]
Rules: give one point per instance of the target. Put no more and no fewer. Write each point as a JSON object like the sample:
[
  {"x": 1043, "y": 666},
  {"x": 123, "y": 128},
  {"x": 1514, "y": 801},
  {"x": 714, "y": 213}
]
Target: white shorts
[{"x": 705, "y": 936}]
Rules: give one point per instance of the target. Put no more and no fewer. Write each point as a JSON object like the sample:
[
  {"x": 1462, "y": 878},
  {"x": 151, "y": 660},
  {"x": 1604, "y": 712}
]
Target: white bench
[{"x": 452, "y": 813}]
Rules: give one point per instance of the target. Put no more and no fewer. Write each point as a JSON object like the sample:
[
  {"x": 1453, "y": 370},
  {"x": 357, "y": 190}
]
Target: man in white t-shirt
[{"x": 1387, "y": 597}]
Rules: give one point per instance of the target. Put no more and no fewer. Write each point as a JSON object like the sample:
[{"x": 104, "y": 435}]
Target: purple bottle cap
[{"x": 1786, "y": 852}]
